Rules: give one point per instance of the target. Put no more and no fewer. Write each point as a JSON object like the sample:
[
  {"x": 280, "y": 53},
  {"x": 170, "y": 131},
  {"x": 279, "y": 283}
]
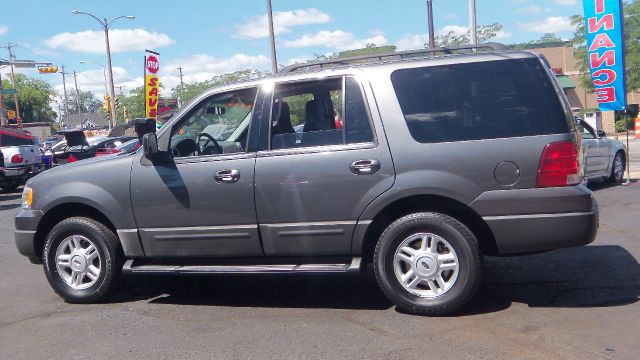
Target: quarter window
[{"x": 482, "y": 100}]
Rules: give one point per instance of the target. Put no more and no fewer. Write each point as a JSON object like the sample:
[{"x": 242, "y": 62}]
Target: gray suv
[{"x": 418, "y": 163}]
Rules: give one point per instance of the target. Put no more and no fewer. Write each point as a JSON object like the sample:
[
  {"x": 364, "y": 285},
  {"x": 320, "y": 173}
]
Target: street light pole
[
  {"x": 105, "y": 25},
  {"x": 112, "y": 92},
  {"x": 75, "y": 80}
]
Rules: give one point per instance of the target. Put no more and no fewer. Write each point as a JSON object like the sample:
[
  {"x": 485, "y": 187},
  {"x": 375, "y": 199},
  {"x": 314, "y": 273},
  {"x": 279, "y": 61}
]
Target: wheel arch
[
  {"x": 426, "y": 202},
  {"x": 64, "y": 211}
]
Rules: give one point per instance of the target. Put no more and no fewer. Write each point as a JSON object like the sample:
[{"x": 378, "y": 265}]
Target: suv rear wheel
[
  {"x": 82, "y": 259},
  {"x": 428, "y": 263}
]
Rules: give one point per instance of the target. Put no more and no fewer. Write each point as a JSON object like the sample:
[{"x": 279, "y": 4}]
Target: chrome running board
[{"x": 130, "y": 267}]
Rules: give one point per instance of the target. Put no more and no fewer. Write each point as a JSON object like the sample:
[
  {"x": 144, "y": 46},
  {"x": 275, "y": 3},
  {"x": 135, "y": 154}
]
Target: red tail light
[
  {"x": 72, "y": 158},
  {"x": 17, "y": 158},
  {"x": 559, "y": 165}
]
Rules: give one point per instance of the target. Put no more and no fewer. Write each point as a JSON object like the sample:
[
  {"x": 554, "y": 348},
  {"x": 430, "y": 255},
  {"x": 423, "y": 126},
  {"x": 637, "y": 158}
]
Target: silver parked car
[{"x": 603, "y": 157}]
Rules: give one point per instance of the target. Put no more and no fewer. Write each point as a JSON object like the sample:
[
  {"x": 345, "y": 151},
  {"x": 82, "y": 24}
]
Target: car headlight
[{"x": 27, "y": 197}]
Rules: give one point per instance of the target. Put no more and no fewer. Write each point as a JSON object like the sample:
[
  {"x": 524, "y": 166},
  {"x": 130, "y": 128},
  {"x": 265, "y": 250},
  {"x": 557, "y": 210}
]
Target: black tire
[
  {"x": 617, "y": 177},
  {"x": 11, "y": 185},
  {"x": 110, "y": 259},
  {"x": 459, "y": 237}
]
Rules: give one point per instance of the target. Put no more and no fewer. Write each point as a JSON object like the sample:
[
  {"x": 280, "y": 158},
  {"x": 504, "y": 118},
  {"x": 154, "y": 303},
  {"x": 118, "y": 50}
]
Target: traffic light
[
  {"x": 48, "y": 69},
  {"x": 116, "y": 104},
  {"x": 125, "y": 112},
  {"x": 107, "y": 104},
  {"x": 109, "y": 115}
]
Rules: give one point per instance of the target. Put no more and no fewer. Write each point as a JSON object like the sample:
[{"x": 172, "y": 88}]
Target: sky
[{"x": 209, "y": 37}]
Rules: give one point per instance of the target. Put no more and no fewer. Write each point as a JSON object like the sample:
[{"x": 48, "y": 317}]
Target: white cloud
[
  {"x": 412, "y": 42},
  {"x": 121, "y": 40},
  {"x": 338, "y": 39},
  {"x": 93, "y": 80},
  {"x": 565, "y": 2},
  {"x": 456, "y": 29},
  {"x": 257, "y": 26},
  {"x": 551, "y": 24},
  {"x": 3, "y": 29},
  {"x": 534, "y": 9},
  {"x": 203, "y": 67}
]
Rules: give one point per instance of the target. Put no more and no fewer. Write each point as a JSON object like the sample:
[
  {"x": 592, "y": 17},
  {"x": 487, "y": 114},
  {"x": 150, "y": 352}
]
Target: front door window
[{"x": 218, "y": 125}]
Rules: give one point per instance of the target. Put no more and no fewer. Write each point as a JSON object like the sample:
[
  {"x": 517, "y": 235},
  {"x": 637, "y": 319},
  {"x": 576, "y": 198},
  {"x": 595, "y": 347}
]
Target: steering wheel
[{"x": 209, "y": 139}]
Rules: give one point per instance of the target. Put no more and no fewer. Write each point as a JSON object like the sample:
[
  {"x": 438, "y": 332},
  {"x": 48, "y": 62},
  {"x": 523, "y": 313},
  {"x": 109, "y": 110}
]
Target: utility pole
[
  {"x": 272, "y": 36},
  {"x": 473, "y": 37},
  {"x": 3, "y": 112},
  {"x": 181, "y": 88},
  {"x": 13, "y": 80},
  {"x": 432, "y": 40},
  {"x": 64, "y": 88},
  {"x": 75, "y": 80}
]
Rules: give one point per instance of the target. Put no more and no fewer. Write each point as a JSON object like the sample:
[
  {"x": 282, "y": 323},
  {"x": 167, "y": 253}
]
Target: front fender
[{"x": 102, "y": 184}]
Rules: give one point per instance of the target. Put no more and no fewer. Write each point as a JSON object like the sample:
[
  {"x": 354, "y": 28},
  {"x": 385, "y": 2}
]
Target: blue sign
[{"x": 605, "y": 47}]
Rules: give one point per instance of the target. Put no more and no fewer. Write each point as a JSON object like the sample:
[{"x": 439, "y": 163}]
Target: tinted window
[
  {"x": 8, "y": 140},
  {"x": 482, "y": 100}
]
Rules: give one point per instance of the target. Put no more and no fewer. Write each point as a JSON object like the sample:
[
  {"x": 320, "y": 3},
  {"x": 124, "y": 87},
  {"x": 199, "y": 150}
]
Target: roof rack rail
[{"x": 392, "y": 55}]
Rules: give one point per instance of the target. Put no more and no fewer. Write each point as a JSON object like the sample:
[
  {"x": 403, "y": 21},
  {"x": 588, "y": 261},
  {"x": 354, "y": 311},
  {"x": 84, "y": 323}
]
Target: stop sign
[{"x": 152, "y": 64}]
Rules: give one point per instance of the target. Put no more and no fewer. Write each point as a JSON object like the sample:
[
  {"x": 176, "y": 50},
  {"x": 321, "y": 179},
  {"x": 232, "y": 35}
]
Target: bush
[{"x": 622, "y": 124}]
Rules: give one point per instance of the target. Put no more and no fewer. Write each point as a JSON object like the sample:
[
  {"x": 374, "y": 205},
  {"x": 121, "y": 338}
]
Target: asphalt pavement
[{"x": 579, "y": 303}]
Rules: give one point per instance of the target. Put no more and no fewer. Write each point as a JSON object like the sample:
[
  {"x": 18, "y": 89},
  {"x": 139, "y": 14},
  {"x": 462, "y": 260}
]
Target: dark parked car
[
  {"x": 440, "y": 160},
  {"x": 78, "y": 147},
  {"x": 126, "y": 147}
]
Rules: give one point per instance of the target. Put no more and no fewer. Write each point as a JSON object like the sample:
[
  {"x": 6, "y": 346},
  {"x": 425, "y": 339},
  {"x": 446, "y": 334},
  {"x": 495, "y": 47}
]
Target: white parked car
[{"x": 603, "y": 157}]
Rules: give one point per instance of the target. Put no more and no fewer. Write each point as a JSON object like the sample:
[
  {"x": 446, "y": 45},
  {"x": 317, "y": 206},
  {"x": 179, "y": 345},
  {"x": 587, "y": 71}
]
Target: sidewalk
[{"x": 633, "y": 152}]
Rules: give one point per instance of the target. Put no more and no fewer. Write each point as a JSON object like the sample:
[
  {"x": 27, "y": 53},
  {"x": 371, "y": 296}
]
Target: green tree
[
  {"x": 89, "y": 103},
  {"x": 484, "y": 34},
  {"x": 34, "y": 96},
  {"x": 631, "y": 47}
]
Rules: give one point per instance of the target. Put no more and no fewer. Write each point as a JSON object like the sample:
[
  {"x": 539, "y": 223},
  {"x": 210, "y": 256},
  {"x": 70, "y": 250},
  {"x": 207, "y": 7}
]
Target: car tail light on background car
[
  {"x": 16, "y": 159},
  {"x": 72, "y": 158},
  {"x": 559, "y": 165}
]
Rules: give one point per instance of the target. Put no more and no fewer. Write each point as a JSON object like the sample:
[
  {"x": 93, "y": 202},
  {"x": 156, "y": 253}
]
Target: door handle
[
  {"x": 227, "y": 176},
  {"x": 365, "y": 167}
]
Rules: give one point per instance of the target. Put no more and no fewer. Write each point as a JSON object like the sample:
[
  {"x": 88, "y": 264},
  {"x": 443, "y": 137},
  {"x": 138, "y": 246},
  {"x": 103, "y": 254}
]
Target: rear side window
[
  {"x": 8, "y": 140},
  {"x": 482, "y": 100}
]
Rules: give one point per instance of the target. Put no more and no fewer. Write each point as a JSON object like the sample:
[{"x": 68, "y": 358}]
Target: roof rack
[{"x": 399, "y": 55}]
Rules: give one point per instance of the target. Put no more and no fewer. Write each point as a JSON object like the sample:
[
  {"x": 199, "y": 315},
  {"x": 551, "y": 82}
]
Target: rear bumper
[
  {"x": 26, "y": 224},
  {"x": 541, "y": 232},
  {"x": 23, "y": 172},
  {"x": 535, "y": 220}
]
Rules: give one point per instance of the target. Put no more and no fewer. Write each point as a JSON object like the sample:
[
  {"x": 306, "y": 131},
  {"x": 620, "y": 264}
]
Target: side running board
[{"x": 130, "y": 267}]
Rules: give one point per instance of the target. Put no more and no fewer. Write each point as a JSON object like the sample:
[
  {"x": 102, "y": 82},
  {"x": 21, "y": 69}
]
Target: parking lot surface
[{"x": 579, "y": 303}]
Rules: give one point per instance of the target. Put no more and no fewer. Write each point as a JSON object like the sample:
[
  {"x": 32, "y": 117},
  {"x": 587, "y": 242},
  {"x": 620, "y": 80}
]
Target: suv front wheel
[
  {"x": 428, "y": 263},
  {"x": 82, "y": 259}
]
